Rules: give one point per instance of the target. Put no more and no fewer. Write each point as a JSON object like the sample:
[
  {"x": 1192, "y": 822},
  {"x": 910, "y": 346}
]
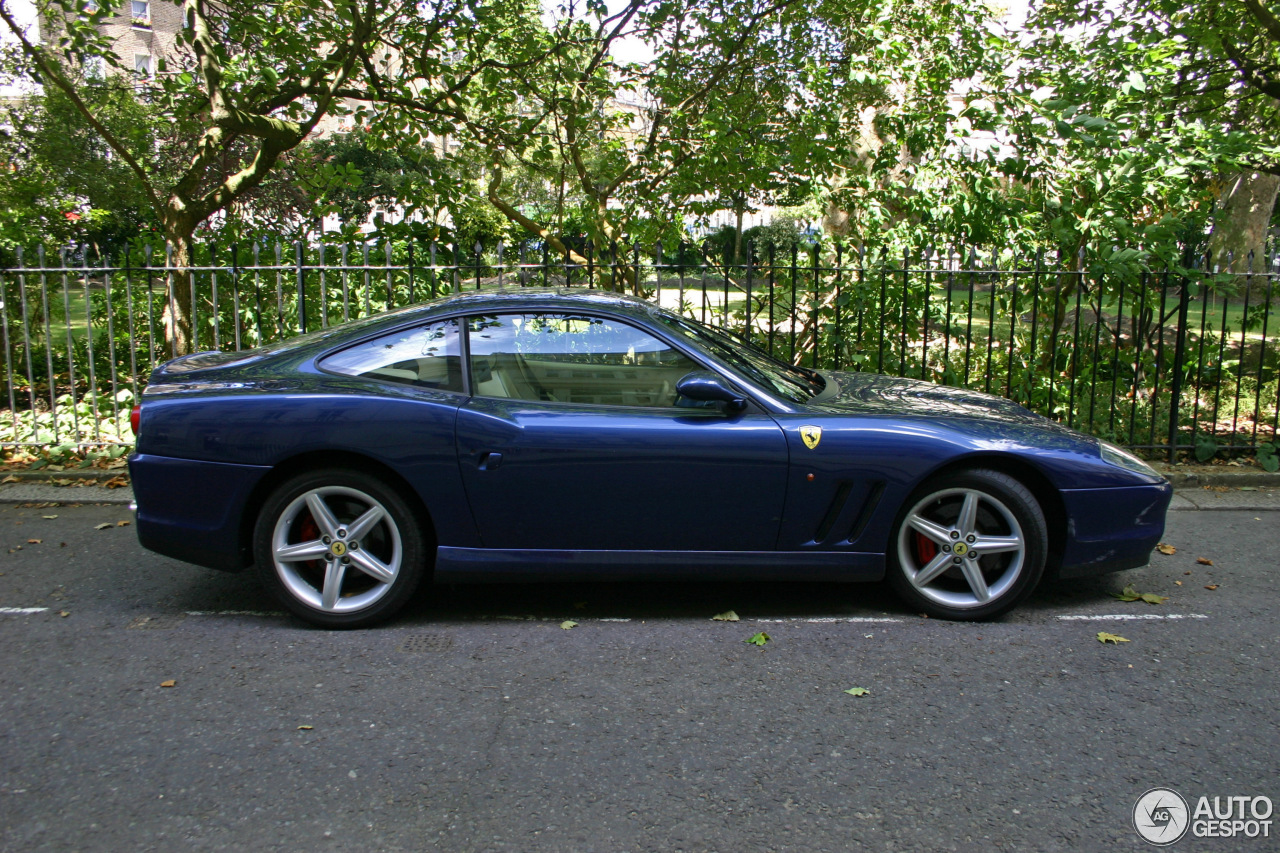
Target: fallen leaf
[
  {"x": 117, "y": 482},
  {"x": 169, "y": 683},
  {"x": 727, "y": 616},
  {"x": 64, "y": 613},
  {"x": 50, "y": 517},
  {"x": 757, "y": 639},
  {"x": 106, "y": 525},
  {"x": 857, "y": 691},
  {"x": 568, "y": 623},
  {"x": 1204, "y": 561},
  {"x": 123, "y": 523},
  {"x": 1166, "y": 549},
  {"x": 1177, "y": 583},
  {"x": 1211, "y": 586},
  {"x": 305, "y": 728},
  {"x": 11, "y": 479},
  {"x": 1115, "y": 639},
  {"x": 1186, "y": 573},
  {"x": 34, "y": 541},
  {"x": 1131, "y": 594}
]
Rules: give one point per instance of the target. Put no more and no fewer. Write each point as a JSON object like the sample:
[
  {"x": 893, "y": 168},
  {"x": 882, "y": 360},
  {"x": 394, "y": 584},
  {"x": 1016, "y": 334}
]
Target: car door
[{"x": 575, "y": 438}]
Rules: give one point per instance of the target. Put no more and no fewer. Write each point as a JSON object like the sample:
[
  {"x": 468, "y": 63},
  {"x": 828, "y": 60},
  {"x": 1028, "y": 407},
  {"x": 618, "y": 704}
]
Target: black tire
[
  {"x": 376, "y": 568},
  {"x": 931, "y": 562}
]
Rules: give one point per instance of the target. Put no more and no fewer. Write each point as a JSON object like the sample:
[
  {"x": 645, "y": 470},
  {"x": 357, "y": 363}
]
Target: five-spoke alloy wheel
[
  {"x": 339, "y": 547},
  {"x": 970, "y": 545}
]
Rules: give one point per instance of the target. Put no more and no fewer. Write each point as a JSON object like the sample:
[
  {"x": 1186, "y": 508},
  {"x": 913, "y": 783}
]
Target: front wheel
[
  {"x": 340, "y": 548},
  {"x": 969, "y": 546}
]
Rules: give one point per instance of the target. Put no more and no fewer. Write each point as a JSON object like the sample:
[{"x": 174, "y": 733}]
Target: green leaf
[
  {"x": 858, "y": 691},
  {"x": 568, "y": 623},
  {"x": 1114, "y": 639},
  {"x": 1131, "y": 594},
  {"x": 727, "y": 616},
  {"x": 757, "y": 639}
]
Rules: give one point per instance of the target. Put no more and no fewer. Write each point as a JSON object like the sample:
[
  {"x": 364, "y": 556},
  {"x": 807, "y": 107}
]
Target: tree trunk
[
  {"x": 1244, "y": 214},
  {"x": 177, "y": 310}
]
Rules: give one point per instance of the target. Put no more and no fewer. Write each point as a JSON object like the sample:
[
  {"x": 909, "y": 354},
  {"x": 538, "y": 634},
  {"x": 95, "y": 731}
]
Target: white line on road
[
  {"x": 1129, "y": 617},
  {"x": 22, "y": 611}
]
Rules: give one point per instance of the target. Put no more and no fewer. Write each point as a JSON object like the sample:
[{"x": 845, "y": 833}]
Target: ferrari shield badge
[{"x": 811, "y": 435}]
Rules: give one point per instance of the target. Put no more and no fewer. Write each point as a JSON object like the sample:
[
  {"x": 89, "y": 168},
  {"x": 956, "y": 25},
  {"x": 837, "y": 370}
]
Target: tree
[
  {"x": 62, "y": 183},
  {"x": 637, "y": 141},
  {"x": 1200, "y": 77},
  {"x": 251, "y": 82}
]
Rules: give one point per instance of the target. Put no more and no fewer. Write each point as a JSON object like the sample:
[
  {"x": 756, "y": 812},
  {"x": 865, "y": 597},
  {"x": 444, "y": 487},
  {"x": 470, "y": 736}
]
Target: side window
[
  {"x": 426, "y": 357},
  {"x": 572, "y": 358}
]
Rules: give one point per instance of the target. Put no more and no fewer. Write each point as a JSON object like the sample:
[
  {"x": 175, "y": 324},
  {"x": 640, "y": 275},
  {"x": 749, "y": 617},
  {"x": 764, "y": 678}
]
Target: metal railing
[{"x": 1157, "y": 360}]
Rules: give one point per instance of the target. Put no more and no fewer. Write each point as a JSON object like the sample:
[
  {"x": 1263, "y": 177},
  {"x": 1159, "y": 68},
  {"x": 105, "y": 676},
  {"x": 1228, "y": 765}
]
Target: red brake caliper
[
  {"x": 926, "y": 549},
  {"x": 308, "y": 530}
]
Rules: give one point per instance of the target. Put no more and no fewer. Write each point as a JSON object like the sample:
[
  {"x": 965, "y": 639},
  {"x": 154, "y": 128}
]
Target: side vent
[
  {"x": 833, "y": 511},
  {"x": 868, "y": 507}
]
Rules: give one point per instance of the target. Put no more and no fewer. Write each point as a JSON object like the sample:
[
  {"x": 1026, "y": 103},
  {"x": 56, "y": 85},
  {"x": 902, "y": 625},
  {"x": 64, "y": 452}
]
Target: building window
[
  {"x": 142, "y": 64},
  {"x": 141, "y": 13}
]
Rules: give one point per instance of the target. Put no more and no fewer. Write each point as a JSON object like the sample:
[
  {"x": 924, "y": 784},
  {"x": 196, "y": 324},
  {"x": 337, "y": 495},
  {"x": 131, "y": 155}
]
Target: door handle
[{"x": 490, "y": 461}]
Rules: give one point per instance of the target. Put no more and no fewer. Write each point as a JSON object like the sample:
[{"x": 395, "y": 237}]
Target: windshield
[{"x": 796, "y": 384}]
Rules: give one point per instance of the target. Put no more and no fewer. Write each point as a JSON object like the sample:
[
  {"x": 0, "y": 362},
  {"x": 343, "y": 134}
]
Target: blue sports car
[{"x": 525, "y": 435}]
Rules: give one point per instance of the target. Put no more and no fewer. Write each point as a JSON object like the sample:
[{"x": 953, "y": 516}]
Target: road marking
[
  {"x": 22, "y": 611},
  {"x": 1129, "y": 617},
  {"x": 235, "y": 613}
]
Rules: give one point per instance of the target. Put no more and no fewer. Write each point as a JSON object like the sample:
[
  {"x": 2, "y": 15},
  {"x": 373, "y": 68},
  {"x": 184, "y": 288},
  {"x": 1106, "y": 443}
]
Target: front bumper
[{"x": 1112, "y": 529}]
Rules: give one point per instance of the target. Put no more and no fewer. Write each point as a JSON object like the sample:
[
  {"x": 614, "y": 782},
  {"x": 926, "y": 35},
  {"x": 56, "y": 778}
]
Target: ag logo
[
  {"x": 1161, "y": 816},
  {"x": 811, "y": 435}
]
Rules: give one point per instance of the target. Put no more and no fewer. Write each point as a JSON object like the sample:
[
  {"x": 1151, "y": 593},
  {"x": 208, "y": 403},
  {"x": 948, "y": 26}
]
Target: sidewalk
[{"x": 1247, "y": 490}]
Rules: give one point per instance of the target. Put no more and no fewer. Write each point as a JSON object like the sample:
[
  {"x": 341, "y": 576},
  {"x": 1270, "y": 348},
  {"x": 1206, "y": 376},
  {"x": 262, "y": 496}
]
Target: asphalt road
[{"x": 475, "y": 722}]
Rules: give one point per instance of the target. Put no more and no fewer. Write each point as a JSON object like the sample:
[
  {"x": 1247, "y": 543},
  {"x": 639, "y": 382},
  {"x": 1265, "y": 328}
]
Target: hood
[{"x": 873, "y": 394}]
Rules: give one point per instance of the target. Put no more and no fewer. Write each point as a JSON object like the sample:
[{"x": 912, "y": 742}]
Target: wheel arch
[
  {"x": 1051, "y": 504},
  {"x": 329, "y": 459}
]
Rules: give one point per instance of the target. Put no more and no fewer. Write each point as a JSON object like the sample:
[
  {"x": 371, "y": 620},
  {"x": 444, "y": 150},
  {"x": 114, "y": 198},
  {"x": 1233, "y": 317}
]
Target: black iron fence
[{"x": 1158, "y": 360}]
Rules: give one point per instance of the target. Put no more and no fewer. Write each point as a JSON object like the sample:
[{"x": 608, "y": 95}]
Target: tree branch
[
  {"x": 1269, "y": 22},
  {"x": 51, "y": 71}
]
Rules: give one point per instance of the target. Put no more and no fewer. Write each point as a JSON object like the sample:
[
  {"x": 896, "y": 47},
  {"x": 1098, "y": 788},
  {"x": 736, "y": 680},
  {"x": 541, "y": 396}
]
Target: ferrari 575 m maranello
[{"x": 525, "y": 435}]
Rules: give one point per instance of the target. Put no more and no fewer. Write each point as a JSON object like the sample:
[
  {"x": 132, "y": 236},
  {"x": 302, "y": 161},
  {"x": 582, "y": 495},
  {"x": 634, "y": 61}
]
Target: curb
[
  {"x": 1235, "y": 479},
  {"x": 45, "y": 476}
]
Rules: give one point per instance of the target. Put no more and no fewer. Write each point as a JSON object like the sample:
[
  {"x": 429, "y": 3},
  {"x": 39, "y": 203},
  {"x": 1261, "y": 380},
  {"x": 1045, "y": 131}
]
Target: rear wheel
[
  {"x": 339, "y": 547},
  {"x": 969, "y": 546}
]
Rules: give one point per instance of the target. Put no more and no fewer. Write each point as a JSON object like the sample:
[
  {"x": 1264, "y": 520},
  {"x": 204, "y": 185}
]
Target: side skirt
[{"x": 484, "y": 564}]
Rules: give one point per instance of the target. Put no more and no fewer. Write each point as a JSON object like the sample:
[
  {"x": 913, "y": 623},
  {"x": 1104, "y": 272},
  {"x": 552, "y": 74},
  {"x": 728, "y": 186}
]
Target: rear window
[{"x": 424, "y": 357}]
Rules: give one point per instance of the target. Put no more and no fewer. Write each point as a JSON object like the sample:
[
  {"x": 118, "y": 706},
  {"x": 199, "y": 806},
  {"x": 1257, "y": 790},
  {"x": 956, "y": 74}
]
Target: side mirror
[{"x": 705, "y": 385}]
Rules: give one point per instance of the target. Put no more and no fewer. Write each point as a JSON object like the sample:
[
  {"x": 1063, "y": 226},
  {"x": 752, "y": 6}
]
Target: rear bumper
[
  {"x": 1112, "y": 529},
  {"x": 193, "y": 511}
]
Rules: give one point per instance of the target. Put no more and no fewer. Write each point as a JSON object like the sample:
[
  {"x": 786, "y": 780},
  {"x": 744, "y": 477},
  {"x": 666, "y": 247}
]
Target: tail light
[{"x": 135, "y": 418}]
